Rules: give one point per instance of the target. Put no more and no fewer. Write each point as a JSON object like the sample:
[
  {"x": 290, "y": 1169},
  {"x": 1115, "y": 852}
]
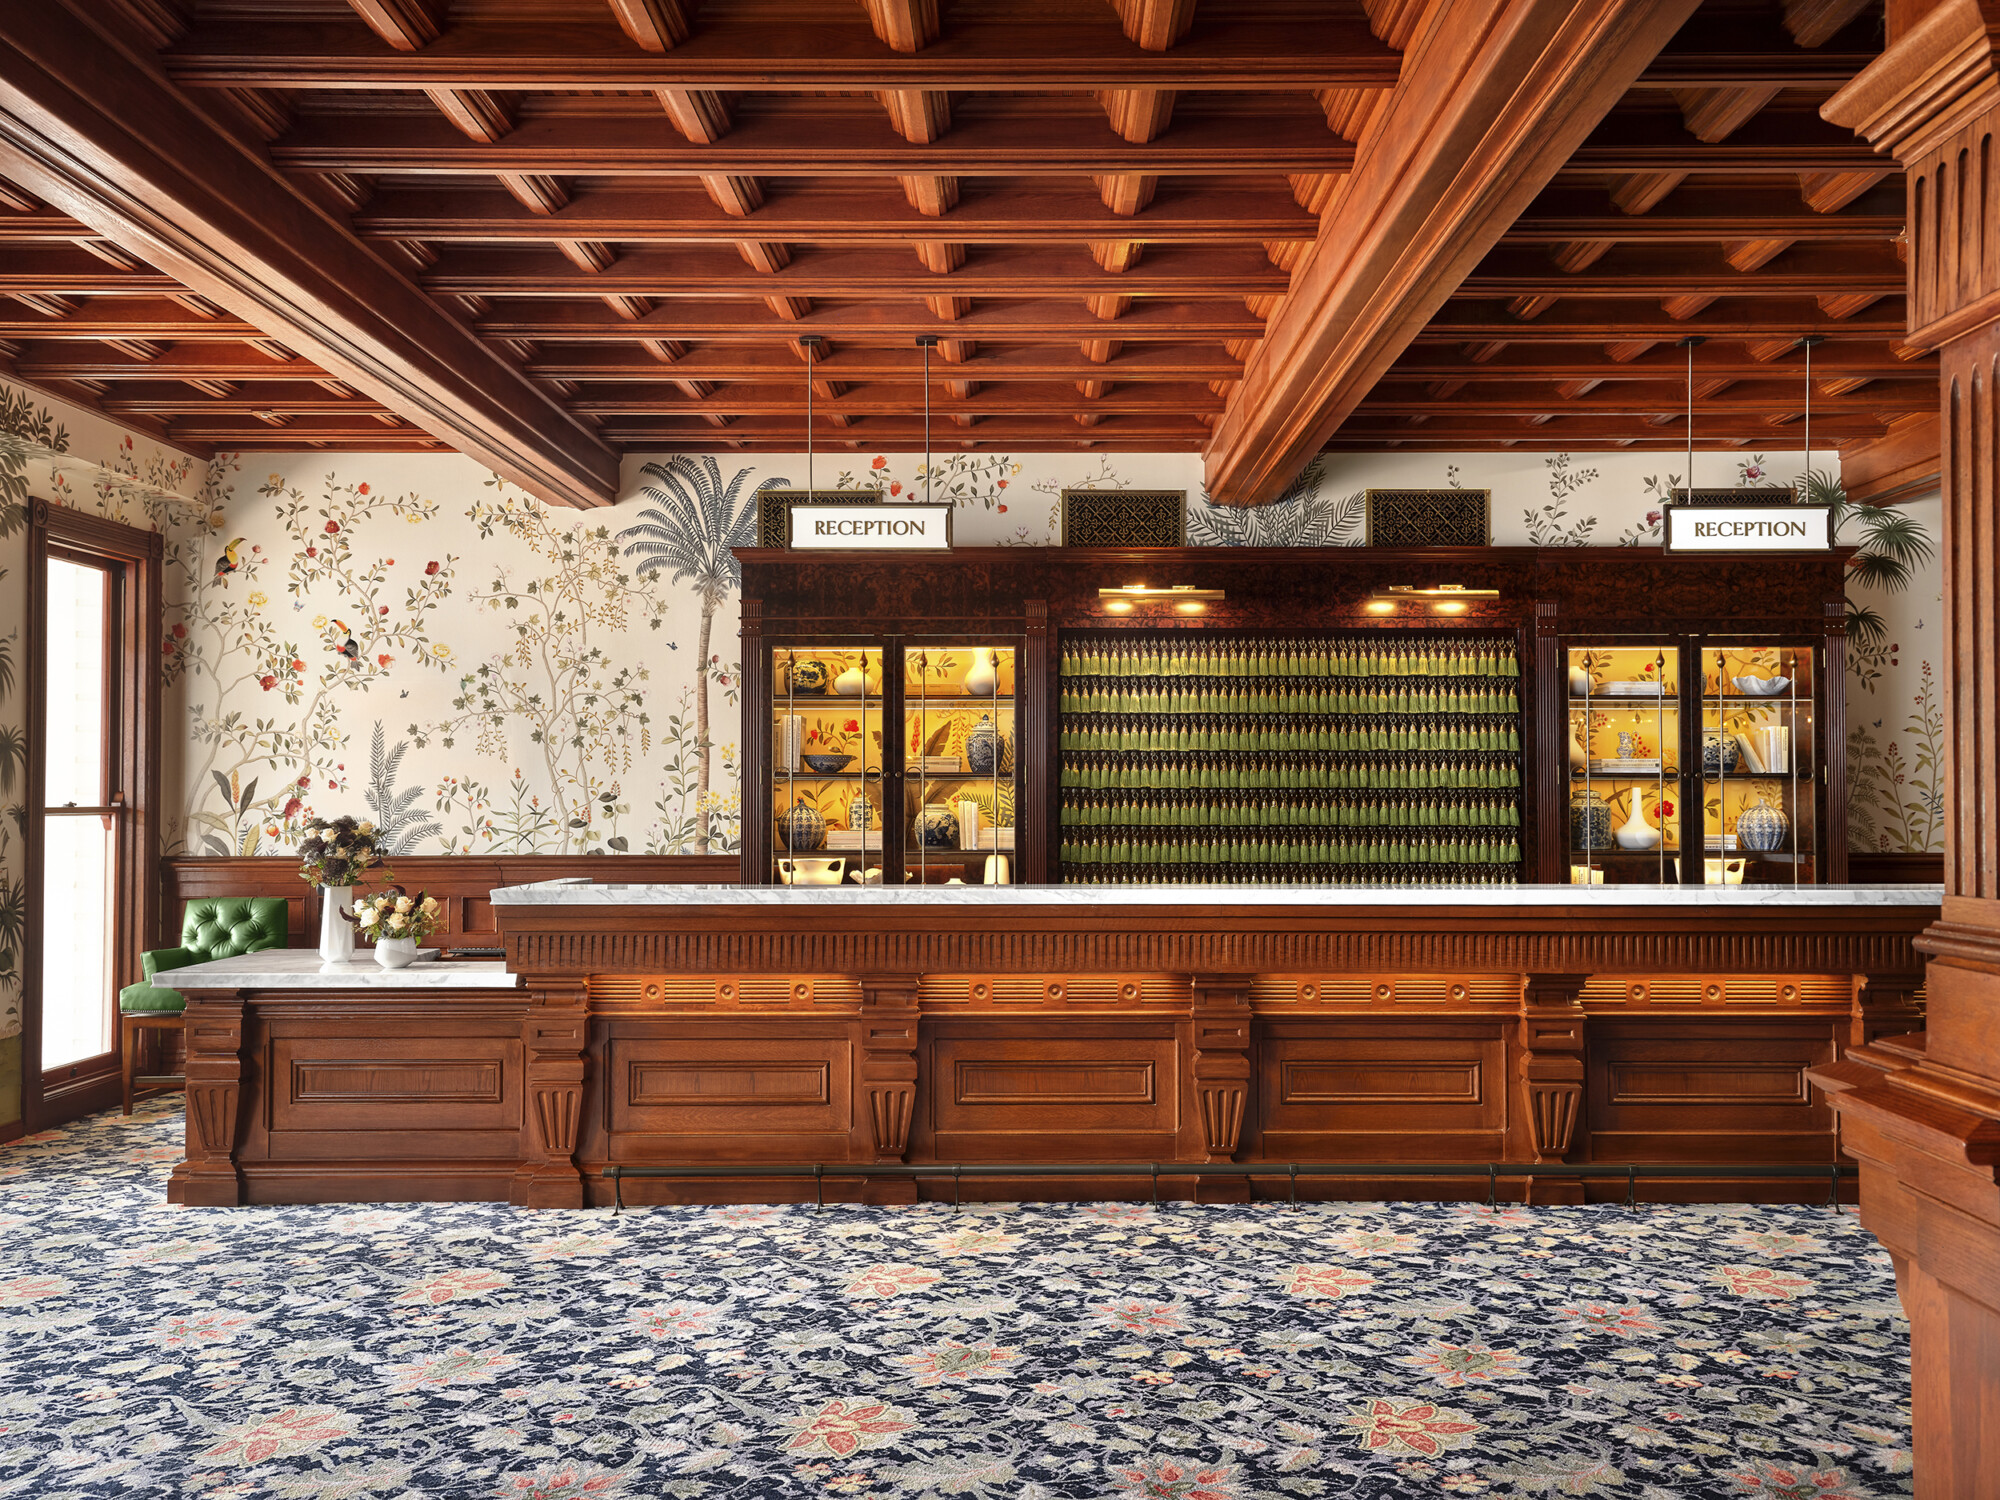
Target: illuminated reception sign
[
  {"x": 871, "y": 528},
  {"x": 1748, "y": 528}
]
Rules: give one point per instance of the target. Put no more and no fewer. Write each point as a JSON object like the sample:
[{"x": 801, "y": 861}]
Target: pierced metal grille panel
[
  {"x": 1124, "y": 518},
  {"x": 1430, "y": 518}
]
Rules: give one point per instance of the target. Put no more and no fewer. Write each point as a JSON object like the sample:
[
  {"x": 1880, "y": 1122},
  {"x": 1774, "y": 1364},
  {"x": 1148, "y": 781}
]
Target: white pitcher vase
[{"x": 336, "y": 933}]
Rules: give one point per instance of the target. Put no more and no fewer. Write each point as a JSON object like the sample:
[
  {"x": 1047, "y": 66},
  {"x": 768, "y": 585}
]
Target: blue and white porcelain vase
[
  {"x": 860, "y": 812},
  {"x": 802, "y": 828},
  {"x": 810, "y": 678},
  {"x": 1589, "y": 823},
  {"x": 982, "y": 747},
  {"x": 1762, "y": 828},
  {"x": 937, "y": 828},
  {"x": 1719, "y": 753}
]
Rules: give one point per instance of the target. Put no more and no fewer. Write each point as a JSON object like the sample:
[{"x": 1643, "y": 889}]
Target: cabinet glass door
[
  {"x": 1759, "y": 764},
  {"x": 960, "y": 738},
  {"x": 1624, "y": 713},
  {"x": 827, "y": 758}
]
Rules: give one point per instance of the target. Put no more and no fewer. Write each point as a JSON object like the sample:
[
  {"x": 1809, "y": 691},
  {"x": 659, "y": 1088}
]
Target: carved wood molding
[
  {"x": 1550, "y": 1062},
  {"x": 208, "y": 1178},
  {"x": 1409, "y": 940}
]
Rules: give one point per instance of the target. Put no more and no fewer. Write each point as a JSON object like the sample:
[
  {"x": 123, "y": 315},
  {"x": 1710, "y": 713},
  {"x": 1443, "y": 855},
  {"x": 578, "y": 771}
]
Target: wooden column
[
  {"x": 208, "y": 1178},
  {"x": 1922, "y": 1115},
  {"x": 554, "y": 1036}
]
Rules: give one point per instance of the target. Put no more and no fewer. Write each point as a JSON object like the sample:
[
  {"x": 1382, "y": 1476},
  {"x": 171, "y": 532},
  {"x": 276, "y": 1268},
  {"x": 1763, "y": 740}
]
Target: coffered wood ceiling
[{"x": 548, "y": 231}]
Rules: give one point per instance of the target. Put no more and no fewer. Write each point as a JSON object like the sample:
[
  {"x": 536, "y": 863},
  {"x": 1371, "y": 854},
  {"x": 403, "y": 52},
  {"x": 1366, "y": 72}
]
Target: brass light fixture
[
  {"x": 1443, "y": 598},
  {"x": 1184, "y": 597}
]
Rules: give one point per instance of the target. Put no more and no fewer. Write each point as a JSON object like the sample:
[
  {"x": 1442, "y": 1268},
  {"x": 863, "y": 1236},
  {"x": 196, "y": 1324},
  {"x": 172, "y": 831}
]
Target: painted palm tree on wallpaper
[{"x": 687, "y": 531}]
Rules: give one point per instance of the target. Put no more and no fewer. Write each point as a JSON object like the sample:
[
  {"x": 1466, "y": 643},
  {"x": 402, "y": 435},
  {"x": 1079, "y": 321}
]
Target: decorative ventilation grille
[
  {"x": 1055, "y": 991},
  {"x": 1787, "y": 990},
  {"x": 728, "y": 991},
  {"x": 1430, "y": 518},
  {"x": 1776, "y": 494},
  {"x": 1385, "y": 989},
  {"x": 774, "y": 510},
  {"x": 1124, "y": 518}
]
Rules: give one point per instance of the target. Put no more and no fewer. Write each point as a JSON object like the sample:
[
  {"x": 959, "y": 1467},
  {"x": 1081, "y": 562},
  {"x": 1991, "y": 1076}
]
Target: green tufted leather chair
[{"x": 211, "y": 927}]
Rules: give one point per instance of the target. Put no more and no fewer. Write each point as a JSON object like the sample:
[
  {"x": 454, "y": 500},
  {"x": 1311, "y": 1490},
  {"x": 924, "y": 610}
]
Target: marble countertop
[
  {"x": 301, "y": 969},
  {"x": 1008, "y": 897}
]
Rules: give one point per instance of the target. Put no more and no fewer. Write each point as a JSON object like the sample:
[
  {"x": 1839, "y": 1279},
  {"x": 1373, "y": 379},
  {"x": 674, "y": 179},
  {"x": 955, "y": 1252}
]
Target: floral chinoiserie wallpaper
[{"x": 408, "y": 638}]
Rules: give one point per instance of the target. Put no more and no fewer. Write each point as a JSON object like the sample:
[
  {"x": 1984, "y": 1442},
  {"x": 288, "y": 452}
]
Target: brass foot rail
[{"x": 1493, "y": 1171}]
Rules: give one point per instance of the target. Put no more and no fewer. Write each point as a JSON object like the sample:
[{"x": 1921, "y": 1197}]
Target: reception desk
[{"x": 653, "y": 1027}]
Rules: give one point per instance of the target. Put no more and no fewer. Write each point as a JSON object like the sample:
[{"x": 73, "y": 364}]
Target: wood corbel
[
  {"x": 554, "y": 1034},
  {"x": 1552, "y": 1036},
  {"x": 207, "y": 1177}
]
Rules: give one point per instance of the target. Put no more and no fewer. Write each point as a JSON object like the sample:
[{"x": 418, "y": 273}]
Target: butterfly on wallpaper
[
  {"x": 1878, "y": 723},
  {"x": 1920, "y": 624},
  {"x": 404, "y": 694}
]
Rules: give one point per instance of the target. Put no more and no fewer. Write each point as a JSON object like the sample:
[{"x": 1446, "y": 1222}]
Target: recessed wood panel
[
  {"x": 355, "y": 1085},
  {"x": 437, "y": 1081},
  {"x": 1704, "y": 1089},
  {"x": 749, "y": 1088},
  {"x": 1695, "y": 1083},
  {"x": 1381, "y": 1081},
  {"x": 722, "y": 1083},
  {"x": 1347, "y": 1078},
  {"x": 1047, "y": 1082},
  {"x": 1071, "y": 1086}
]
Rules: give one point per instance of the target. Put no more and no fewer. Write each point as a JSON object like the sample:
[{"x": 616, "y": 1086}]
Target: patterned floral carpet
[{"x": 1094, "y": 1352}]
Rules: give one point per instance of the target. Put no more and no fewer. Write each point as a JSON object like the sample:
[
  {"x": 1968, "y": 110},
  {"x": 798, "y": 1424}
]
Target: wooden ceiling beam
[
  {"x": 1083, "y": 47},
  {"x": 1581, "y": 320},
  {"x": 1193, "y": 211},
  {"x": 138, "y": 360},
  {"x": 907, "y": 428},
  {"x": 997, "y": 136},
  {"x": 988, "y": 363},
  {"x": 1615, "y": 400},
  {"x": 1589, "y": 429},
  {"x": 1494, "y": 100},
  {"x": 703, "y": 272},
  {"x": 1701, "y": 216},
  {"x": 876, "y": 323},
  {"x": 656, "y": 25},
  {"x": 1645, "y": 273},
  {"x": 107, "y": 141},
  {"x": 1571, "y": 362}
]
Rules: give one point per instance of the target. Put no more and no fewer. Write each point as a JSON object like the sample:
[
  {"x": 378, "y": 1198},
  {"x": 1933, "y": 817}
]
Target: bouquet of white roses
[{"x": 395, "y": 913}]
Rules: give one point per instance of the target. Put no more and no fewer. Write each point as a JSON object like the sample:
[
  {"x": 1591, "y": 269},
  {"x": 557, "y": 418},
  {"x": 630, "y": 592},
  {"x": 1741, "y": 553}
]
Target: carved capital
[
  {"x": 1933, "y": 81},
  {"x": 1885, "y": 1005}
]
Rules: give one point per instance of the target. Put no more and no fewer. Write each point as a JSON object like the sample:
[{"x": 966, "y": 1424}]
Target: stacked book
[
  {"x": 1612, "y": 766},
  {"x": 1629, "y": 690},
  {"x": 936, "y": 765},
  {"x": 1721, "y": 843},
  {"x": 852, "y": 838}
]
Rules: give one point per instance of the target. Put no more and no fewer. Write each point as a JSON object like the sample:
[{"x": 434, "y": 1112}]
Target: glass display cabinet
[
  {"x": 1693, "y": 760},
  {"x": 890, "y": 761}
]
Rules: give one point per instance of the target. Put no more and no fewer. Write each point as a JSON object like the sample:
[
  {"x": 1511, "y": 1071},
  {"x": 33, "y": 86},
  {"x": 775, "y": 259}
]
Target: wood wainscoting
[{"x": 461, "y": 881}]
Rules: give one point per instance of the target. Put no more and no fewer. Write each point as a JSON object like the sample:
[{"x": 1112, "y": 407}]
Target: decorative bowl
[
  {"x": 811, "y": 871},
  {"x": 1761, "y": 687},
  {"x": 870, "y": 876},
  {"x": 827, "y": 765}
]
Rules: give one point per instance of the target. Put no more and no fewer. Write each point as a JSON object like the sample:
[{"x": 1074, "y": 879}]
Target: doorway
[{"x": 93, "y": 752}]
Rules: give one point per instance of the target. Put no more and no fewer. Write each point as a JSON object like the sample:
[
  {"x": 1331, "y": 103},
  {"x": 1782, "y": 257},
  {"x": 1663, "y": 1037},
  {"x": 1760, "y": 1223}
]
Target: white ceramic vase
[
  {"x": 1579, "y": 683},
  {"x": 1635, "y": 833},
  {"x": 851, "y": 684},
  {"x": 336, "y": 934},
  {"x": 395, "y": 953},
  {"x": 1578, "y": 760},
  {"x": 982, "y": 676}
]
